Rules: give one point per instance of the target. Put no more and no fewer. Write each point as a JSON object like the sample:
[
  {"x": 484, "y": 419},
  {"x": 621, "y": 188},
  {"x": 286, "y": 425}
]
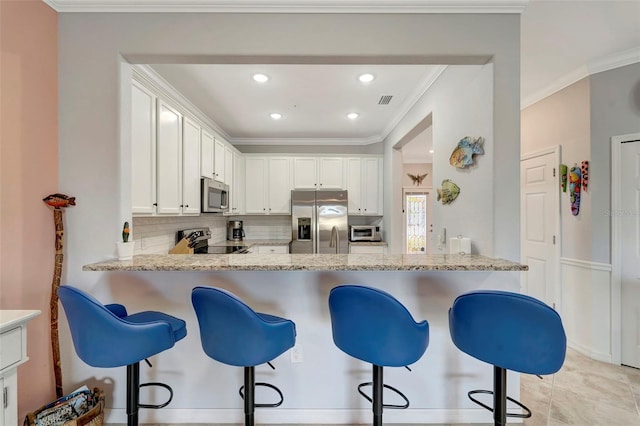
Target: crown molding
[
  {"x": 424, "y": 87},
  {"x": 306, "y": 141},
  {"x": 291, "y": 6},
  {"x": 155, "y": 80},
  {"x": 607, "y": 63}
]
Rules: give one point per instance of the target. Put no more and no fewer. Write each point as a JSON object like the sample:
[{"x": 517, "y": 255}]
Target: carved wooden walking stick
[{"x": 57, "y": 201}]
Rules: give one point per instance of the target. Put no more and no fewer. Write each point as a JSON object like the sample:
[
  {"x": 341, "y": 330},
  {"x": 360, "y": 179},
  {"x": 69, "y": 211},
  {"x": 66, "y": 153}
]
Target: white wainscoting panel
[{"x": 586, "y": 307}]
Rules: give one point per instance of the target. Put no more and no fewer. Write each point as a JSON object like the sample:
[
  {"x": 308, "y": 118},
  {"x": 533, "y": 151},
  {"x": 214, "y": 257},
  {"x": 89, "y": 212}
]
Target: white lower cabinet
[
  {"x": 267, "y": 185},
  {"x": 13, "y": 352},
  {"x": 367, "y": 249}
]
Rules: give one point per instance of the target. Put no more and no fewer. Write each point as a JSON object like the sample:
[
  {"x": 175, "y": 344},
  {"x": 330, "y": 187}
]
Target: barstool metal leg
[
  {"x": 378, "y": 385},
  {"x": 499, "y": 396},
  {"x": 249, "y": 395},
  {"x": 133, "y": 393}
]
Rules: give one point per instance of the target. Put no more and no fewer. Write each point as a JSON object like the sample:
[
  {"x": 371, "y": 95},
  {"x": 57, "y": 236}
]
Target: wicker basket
[{"x": 93, "y": 417}]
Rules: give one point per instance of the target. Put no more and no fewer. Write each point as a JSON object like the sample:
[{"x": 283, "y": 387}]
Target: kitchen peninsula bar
[
  {"x": 319, "y": 385},
  {"x": 308, "y": 262}
]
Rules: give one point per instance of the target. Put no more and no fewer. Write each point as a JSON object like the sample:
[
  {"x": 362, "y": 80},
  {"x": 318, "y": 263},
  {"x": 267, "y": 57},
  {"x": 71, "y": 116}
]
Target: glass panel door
[{"x": 416, "y": 222}]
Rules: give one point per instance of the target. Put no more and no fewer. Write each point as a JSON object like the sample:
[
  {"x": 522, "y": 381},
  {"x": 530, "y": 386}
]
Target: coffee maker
[{"x": 234, "y": 230}]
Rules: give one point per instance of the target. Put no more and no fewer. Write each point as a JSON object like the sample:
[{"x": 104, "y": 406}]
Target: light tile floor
[{"x": 583, "y": 393}]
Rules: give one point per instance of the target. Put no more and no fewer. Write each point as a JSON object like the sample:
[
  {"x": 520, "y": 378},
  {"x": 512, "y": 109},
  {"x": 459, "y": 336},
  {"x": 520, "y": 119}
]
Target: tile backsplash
[
  {"x": 265, "y": 227},
  {"x": 157, "y": 234}
]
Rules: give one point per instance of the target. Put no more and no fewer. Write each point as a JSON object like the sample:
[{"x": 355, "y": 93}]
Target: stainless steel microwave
[
  {"x": 215, "y": 196},
  {"x": 364, "y": 233}
]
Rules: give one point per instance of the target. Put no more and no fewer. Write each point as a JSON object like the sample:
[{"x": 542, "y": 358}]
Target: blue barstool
[
  {"x": 234, "y": 334},
  {"x": 372, "y": 326},
  {"x": 511, "y": 331},
  {"x": 106, "y": 336}
]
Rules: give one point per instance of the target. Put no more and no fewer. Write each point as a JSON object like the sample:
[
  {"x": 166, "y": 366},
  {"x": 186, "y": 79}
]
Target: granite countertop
[
  {"x": 307, "y": 262},
  {"x": 368, "y": 243},
  {"x": 251, "y": 243}
]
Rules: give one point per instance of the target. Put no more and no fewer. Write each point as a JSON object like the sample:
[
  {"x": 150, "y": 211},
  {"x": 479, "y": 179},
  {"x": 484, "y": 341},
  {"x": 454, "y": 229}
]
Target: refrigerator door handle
[{"x": 335, "y": 239}]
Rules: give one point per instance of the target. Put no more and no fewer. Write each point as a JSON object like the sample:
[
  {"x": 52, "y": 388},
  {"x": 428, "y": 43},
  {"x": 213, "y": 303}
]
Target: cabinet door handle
[
  {"x": 186, "y": 206},
  {"x": 155, "y": 204},
  {"x": 5, "y": 398}
]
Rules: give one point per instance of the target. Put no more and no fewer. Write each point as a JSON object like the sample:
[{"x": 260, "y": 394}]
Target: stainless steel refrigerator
[{"x": 319, "y": 222}]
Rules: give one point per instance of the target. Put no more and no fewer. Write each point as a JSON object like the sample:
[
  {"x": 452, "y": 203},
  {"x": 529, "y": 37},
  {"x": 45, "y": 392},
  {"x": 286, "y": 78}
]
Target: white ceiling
[
  {"x": 314, "y": 100},
  {"x": 562, "y": 42}
]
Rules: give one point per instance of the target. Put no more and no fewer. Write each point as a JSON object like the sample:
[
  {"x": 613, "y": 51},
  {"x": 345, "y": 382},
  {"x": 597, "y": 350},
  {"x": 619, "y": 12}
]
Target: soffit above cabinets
[{"x": 291, "y": 6}]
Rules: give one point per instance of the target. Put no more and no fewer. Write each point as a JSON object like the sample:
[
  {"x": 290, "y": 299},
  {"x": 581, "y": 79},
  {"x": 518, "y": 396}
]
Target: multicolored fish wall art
[
  {"x": 448, "y": 192},
  {"x": 59, "y": 200},
  {"x": 563, "y": 177},
  {"x": 462, "y": 156},
  {"x": 585, "y": 175},
  {"x": 574, "y": 189}
]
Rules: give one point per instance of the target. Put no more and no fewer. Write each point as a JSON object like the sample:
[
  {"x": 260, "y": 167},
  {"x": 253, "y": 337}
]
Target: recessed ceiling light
[
  {"x": 366, "y": 78},
  {"x": 261, "y": 78},
  {"x": 275, "y": 115},
  {"x": 353, "y": 115},
  {"x": 430, "y": 151}
]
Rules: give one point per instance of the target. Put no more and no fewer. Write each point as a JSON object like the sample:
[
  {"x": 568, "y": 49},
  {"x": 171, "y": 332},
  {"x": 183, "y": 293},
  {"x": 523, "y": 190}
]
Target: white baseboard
[
  {"x": 301, "y": 416},
  {"x": 586, "y": 308},
  {"x": 584, "y": 350}
]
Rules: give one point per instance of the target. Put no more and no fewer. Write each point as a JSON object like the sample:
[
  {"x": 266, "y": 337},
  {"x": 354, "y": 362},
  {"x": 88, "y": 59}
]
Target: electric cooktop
[{"x": 226, "y": 249}]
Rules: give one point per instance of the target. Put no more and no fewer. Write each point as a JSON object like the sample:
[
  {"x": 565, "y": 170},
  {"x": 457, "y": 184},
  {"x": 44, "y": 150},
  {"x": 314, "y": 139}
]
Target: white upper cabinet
[
  {"x": 267, "y": 185},
  {"x": 218, "y": 160},
  {"x": 256, "y": 185},
  {"x": 354, "y": 183},
  {"x": 206, "y": 152},
  {"x": 318, "y": 173},
  {"x": 305, "y": 173},
  {"x": 169, "y": 159},
  {"x": 364, "y": 184},
  {"x": 228, "y": 165},
  {"x": 279, "y": 185},
  {"x": 191, "y": 167},
  {"x": 330, "y": 173},
  {"x": 238, "y": 186},
  {"x": 372, "y": 186},
  {"x": 143, "y": 150}
]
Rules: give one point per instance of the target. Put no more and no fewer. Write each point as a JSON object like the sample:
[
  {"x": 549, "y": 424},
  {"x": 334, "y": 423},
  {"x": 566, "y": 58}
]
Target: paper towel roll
[{"x": 460, "y": 245}]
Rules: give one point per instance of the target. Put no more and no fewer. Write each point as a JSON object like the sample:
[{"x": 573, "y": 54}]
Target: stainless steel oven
[{"x": 215, "y": 196}]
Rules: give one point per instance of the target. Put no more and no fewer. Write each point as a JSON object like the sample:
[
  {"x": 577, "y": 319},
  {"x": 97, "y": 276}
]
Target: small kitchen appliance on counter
[
  {"x": 364, "y": 233},
  {"x": 199, "y": 241},
  {"x": 235, "y": 231}
]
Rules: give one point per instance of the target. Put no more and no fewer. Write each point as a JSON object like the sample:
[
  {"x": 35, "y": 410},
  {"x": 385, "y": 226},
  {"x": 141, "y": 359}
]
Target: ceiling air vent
[{"x": 385, "y": 99}]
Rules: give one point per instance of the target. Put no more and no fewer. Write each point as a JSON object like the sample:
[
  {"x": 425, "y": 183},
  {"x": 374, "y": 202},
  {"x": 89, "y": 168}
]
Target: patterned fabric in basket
[{"x": 80, "y": 408}]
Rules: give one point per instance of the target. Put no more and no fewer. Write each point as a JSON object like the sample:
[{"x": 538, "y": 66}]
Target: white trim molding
[
  {"x": 607, "y": 63},
  {"x": 588, "y": 308},
  {"x": 291, "y": 6}
]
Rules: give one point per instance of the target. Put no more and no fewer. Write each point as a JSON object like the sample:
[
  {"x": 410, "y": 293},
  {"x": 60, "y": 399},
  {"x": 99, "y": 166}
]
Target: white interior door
[
  {"x": 539, "y": 209},
  {"x": 629, "y": 218}
]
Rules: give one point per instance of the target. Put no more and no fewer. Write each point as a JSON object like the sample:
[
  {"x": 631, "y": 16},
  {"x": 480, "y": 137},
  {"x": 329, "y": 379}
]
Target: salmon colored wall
[{"x": 28, "y": 173}]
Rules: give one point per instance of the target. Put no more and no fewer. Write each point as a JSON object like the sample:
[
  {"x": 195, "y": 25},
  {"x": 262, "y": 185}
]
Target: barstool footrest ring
[
  {"x": 268, "y": 385},
  {"x": 368, "y": 398},
  {"x": 157, "y": 406},
  {"x": 526, "y": 415}
]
